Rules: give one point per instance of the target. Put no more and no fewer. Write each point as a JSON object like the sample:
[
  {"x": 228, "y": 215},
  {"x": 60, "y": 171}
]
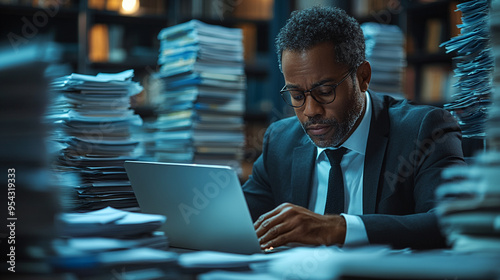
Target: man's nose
[{"x": 312, "y": 108}]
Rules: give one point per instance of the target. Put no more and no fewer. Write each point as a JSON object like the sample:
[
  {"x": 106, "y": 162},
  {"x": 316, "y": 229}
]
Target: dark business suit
[{"x": 407, "y": 148}]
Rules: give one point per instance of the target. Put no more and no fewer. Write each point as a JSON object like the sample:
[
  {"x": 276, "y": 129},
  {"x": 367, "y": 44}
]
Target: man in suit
[{"x": 352, "y": 167}]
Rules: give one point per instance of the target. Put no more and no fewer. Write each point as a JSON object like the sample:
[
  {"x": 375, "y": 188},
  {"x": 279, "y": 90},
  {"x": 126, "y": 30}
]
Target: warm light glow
[{"x": 130, "y": 6}]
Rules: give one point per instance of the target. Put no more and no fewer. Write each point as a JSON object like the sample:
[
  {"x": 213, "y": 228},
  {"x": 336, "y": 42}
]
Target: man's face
[{"x": 327, "y": 125}]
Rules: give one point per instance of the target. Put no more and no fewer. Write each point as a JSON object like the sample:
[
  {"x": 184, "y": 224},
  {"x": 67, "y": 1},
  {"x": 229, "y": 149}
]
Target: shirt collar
[{"x": 359, "y": 138}]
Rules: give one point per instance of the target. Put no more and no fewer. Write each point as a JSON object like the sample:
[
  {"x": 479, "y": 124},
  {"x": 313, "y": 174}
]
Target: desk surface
[{"x": 301, "y": 263}]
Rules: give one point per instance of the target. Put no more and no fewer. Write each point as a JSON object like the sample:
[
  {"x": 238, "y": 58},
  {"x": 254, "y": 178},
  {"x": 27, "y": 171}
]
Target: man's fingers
[
  {"x": 290, "y": 223},
  {"x": 259, "y": 221},
  {"x": 267, "y": 224},
  {"x": 265, "y": 216},
  {"x": 276, "y": 231},
  {"x": 280, "y": 240},
  {"x": 270, "y": 214},
  {"x": 273, "y": 225}
]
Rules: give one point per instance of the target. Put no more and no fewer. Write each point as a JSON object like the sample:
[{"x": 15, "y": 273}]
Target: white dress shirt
[{"x": 352, "y": 166}]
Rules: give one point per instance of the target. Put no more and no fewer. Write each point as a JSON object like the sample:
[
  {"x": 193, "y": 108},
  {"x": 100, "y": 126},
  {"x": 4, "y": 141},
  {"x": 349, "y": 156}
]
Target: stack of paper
[
  {"x": 30, "y": 200},
  {"x": 23, "y": 100},
  {"x": 94, "y": 123},
  {"x": 108, "y": 222},
  {"x": 385, "y": 51},
  {"x": 474, "y": 66},
  {"x": 469, "y": 205},
  {"x": 202, "y": 103},
  {"x": 493, "y": 122},
  {"x": 109, "y": 237}
]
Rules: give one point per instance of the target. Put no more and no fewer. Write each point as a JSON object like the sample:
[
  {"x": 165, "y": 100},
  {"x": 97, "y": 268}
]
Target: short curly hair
[{"x": 307, "y": 28}]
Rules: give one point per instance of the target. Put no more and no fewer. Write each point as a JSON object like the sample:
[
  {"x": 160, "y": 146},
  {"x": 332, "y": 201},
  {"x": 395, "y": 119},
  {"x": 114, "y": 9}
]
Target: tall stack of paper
[
  {"x": 385, "y": 51},
  {"x": 493, "y": 122},
  {"x": 202, "y": 103},
  {"x": 94, "y": 121},
  {"x": 29, "y": 201},
  {"x": 469, "y": 204},
  {"x": 473, "y": 68}
]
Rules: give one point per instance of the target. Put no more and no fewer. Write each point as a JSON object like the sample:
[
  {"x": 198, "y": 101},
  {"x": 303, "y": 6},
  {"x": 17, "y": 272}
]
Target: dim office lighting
[{"x": 130, "y": 6}]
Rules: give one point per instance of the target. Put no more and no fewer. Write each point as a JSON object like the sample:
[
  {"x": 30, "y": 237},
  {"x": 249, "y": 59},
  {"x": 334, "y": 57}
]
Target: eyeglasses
[{"x": 323, "y": 94}]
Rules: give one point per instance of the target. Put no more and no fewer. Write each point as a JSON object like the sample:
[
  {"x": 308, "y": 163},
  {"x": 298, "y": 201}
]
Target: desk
[
  {"x": 298, "y": 263},
  {"x": 302, "y": 263}
]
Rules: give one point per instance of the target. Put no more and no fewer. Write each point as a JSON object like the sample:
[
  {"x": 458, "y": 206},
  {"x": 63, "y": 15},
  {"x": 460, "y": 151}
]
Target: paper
[
  {"x": 202, "y": 100},
  {"x": 473, "y": 68},
  {"x": 94, "y": 127},
  {"x": 468, "y": 204},
  {"x": 382, "y": 263},
  {"x": 108, "y": 222},
  {"x": 385, "y": 51},
  {"x": 211, "y": 259}
]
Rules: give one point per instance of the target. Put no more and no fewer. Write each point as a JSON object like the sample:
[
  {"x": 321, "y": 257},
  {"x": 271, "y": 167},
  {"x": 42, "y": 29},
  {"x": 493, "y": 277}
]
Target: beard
[{"x": 340, "y": 129}]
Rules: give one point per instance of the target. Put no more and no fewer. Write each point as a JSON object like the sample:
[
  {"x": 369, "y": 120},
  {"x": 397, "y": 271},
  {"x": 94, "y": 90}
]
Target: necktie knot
[{"x": 335, "y": 156}]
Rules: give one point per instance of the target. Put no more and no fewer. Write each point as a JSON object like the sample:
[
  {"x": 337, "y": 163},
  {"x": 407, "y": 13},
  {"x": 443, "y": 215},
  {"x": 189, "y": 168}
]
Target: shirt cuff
[{"x": 355, "y": 234}]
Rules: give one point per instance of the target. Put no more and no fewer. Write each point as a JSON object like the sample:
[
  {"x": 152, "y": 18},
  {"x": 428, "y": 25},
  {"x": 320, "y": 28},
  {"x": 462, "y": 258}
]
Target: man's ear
[{"x": 364, "y": 75}]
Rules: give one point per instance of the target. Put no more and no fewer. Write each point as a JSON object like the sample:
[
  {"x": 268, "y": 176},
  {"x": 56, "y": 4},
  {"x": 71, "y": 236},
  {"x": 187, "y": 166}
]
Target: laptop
[{"x": 204, "y": 205}]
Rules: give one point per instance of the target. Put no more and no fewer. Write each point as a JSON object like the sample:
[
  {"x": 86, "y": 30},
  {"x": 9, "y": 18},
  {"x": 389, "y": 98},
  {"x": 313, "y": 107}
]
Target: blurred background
[{"x": 114, "y": 35}]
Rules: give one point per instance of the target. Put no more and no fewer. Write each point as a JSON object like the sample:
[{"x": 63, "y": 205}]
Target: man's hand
[{"x": 291, "y": 223}]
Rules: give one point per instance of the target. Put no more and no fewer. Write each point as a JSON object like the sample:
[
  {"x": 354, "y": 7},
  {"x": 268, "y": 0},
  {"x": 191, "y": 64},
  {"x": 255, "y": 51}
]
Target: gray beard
[{"x": 341, "y": 129}]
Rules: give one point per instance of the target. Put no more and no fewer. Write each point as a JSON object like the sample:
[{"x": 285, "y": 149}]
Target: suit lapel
[
  {"x": 375, "y": 151},
  {"x": 302, "y": 172}
]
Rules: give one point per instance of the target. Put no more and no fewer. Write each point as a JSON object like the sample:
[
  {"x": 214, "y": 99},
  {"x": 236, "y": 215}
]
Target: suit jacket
[{"x": 408, "y": 147}]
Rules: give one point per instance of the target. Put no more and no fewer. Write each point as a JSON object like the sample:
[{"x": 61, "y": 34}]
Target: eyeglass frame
[{"x": 283, "y": 90}]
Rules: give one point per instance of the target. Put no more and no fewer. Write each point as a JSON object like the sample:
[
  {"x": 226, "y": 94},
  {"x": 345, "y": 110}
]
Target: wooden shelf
[
  {"x": 17, "y": 10},
  {"x": 115, "y": 17},
  {"x": 427, "y": 8},
  {"x": 130, "y": 62},
  {"x": 428, "y": 25},
  {"x": 256, "y": 70},
  {"x": 424, "y": 58}
]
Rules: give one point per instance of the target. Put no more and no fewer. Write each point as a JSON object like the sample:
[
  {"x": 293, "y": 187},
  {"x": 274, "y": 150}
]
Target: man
[{"x": 391, "y": 152}]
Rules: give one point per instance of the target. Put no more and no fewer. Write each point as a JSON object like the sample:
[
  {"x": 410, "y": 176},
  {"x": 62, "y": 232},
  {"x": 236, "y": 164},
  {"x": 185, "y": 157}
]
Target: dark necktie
[{"x": 335, "y": 197}]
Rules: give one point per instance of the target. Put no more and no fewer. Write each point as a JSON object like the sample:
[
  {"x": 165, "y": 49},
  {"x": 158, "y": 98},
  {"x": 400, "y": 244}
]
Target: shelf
[
  {"x": 378, "y": 17},
  {"x": 256, "y": 70},
  {"x": 115, "y": 17},
  {"x": 135, "y": 63},
  {"x": 15, "y": 10},
  {"x": 423, "y": 58},
  {"x": 253, "y": 117},
  {"x": 231, "y": 21},
  {"x": 428, "y": 8}
]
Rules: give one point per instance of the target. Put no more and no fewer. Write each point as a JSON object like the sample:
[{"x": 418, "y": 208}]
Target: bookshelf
[
  {"x": 25, "y": 23},
  {"x": 426, "y": 24},
  {"x": 381, "y": 11},
  {"x": 429, "y": 76},
  {"x": 96, "y": 36}
]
